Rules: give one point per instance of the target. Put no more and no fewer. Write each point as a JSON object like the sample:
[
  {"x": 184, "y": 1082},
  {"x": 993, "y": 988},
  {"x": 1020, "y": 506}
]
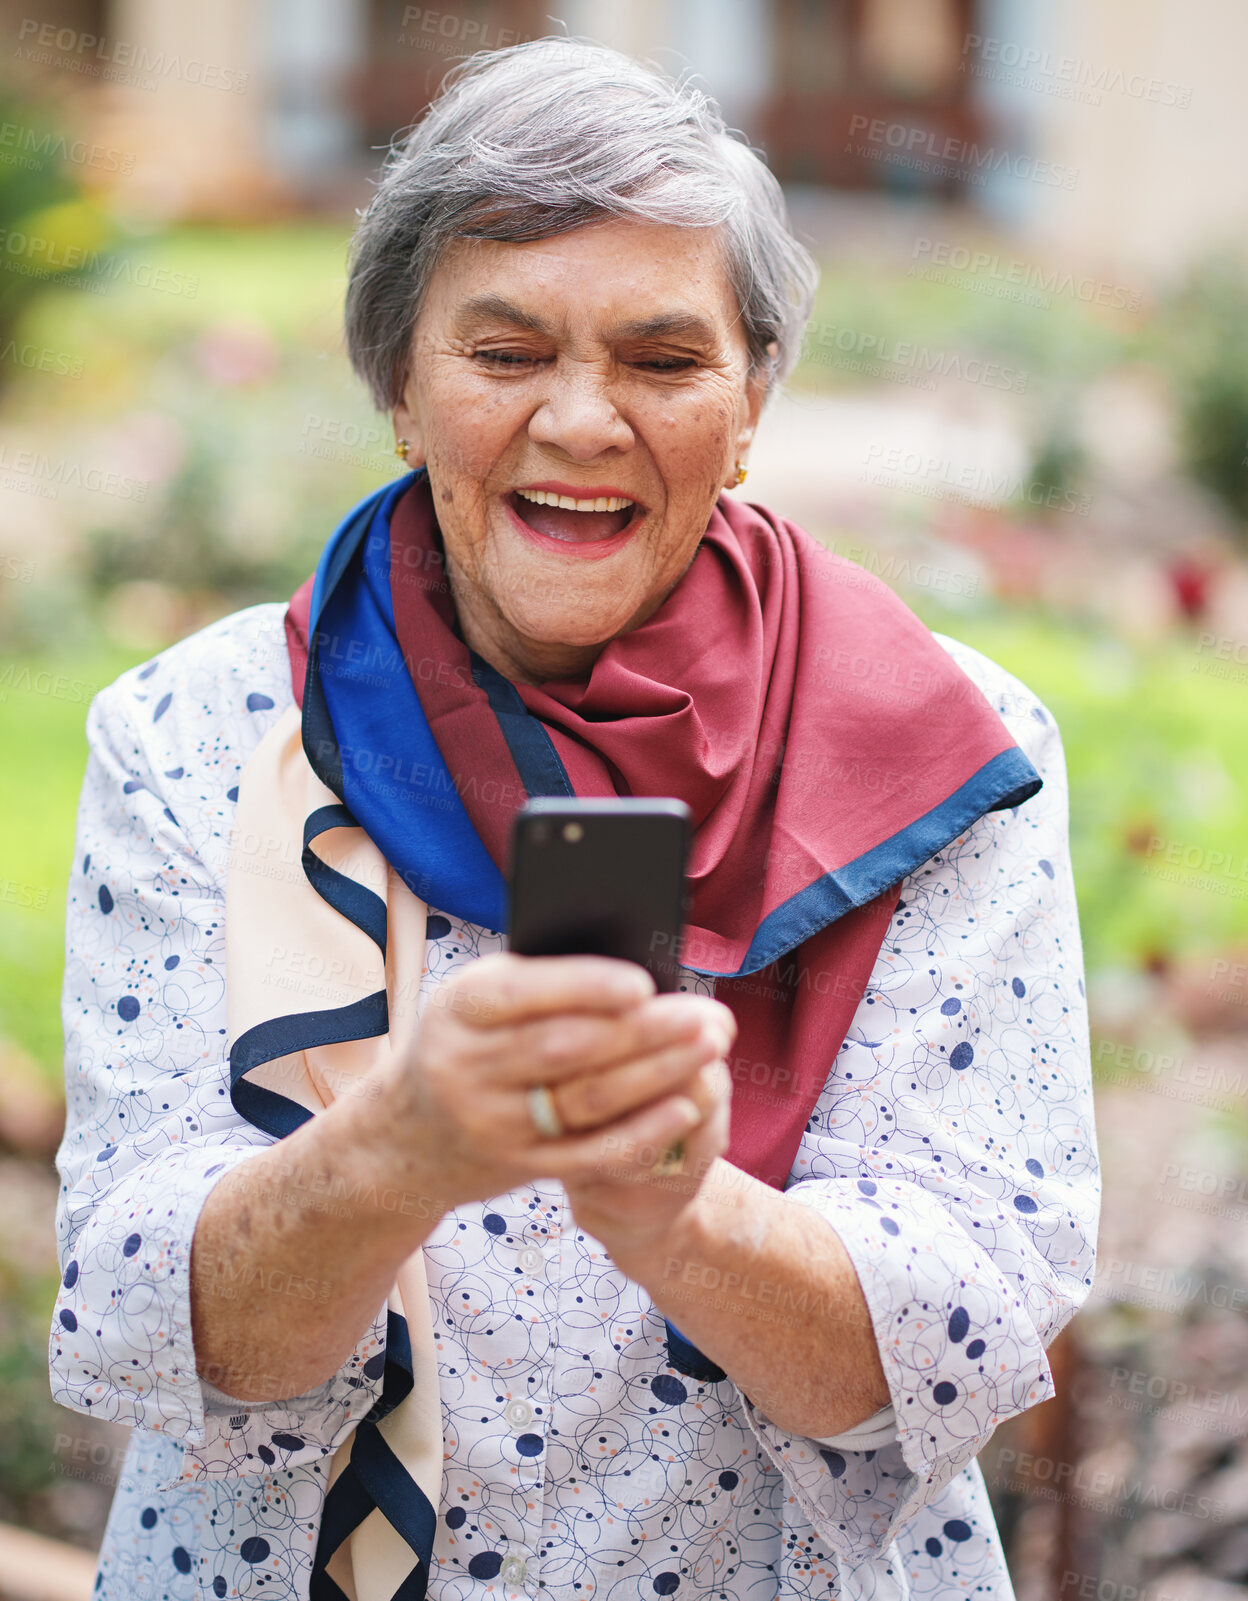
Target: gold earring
[
  {"x": 740, "y": 478},
  {"x": 402, "y": 448}
]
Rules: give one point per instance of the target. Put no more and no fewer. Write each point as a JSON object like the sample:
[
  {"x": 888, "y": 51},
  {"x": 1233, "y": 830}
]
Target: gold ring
[
  {"x": 672, "y": 1161},
  {"x": 545, "y": 1113}
]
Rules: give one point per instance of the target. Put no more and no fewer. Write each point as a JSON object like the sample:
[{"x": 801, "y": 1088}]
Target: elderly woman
[{"x": 371, "y": 1230}]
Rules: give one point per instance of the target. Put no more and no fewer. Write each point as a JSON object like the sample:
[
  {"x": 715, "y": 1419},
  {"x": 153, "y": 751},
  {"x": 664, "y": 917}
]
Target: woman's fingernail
[
  {"x": 642, "y": 980},
  {"x": 686, "y": 1112}
]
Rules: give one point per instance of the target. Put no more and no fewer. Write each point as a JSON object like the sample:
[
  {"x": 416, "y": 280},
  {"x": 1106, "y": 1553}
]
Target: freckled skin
[{"x": 490, "y": 405}]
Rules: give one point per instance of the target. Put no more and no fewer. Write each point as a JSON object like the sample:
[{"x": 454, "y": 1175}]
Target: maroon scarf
[{"x": 824, "y": 742}]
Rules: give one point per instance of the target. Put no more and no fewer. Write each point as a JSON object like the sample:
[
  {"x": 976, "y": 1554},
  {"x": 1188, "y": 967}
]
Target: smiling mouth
[{"x": 574, "y": 521}]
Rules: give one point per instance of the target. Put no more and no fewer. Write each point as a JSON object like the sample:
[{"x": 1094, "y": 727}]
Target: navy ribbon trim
[
  {"x": 347, "y": 1504},
  {"x": 365, "y": 730},
  {"x": 687, "y": 1359},
  {"x": 265, "y": 1109},
  {"x": 532, "y": 749},
  {"x": 301, "y": 1031},
  {"x": 374, "y": 1477},
  {"x": 343, "y": 545},
  {"x": 397, "y": 1380},
  {"x": 318, "y": 730},
  {"x": 364, "y": 908},
  {"x": 388, "y": 1482},
  {"x": 346, "y": 1507},
  {"x": 319, "y": 741}
]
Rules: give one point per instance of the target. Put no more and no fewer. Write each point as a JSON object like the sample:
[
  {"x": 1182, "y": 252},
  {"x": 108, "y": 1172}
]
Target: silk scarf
[{"x": 825, "y": 742}]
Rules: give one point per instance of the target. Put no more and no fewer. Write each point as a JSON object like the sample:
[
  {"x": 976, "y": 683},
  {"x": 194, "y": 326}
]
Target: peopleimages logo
[
  {"x": 75, "y": 267},
  {"x": 828, "y": 343},
  {"x": 1029, "y": 67},
  {"x": 925, "y": 149},
  {"x": 942, "y": 478},
  {"x": 53, "y": 474},
  {"x": 1207, "y": 1082},
  {"x": 19, "y": 679},
  {"x": 37, "y": 358},
  {"x": 988, "y": 269},
  {"x": 1165, "y": 1289},
  {"x": 1091, "y": 1485},
  {"x": 118, "y": 60},
  {"x": 33, "y": 148},
  {"x": 466, "y": 34}
]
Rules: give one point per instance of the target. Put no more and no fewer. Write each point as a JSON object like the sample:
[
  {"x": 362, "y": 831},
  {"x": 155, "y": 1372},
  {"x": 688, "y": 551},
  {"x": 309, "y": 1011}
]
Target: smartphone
[{"x": 601, "y": 878}]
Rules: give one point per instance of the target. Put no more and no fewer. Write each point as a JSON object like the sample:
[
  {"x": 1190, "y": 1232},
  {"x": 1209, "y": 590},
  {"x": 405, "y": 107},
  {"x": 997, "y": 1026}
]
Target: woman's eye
[{"x": 522, "y": 358}]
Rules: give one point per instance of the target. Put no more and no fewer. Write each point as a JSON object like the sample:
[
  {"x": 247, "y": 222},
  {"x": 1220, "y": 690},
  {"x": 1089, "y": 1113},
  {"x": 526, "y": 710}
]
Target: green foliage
[
  {"x": 1202, "y": 339},
  {"x": 1045, "y": 345},
  {"x": 43, "y": 706},
  {"x": 29, "y": 1419},
  {"x": 43, "y": 205},
  {"x": 1157, "y": 758},
  {"x": 229, "y": 408}
]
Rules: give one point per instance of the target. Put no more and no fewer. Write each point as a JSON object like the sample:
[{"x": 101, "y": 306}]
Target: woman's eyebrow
[
  {"x": 493, "y": 307},
  {"x": 668, "y": 324},
  {"x": 497, "y": 308}
]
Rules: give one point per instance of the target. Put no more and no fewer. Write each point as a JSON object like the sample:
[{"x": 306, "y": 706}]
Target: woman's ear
[
  {"x": 407, "y": 428},
  {"x": 756, "y": 387}
]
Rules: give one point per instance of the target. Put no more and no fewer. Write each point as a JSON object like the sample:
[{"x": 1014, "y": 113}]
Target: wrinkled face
[{"x": 579, "y": 402}]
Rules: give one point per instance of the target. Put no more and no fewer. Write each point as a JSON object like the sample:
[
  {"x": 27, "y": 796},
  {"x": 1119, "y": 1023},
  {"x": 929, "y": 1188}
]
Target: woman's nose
[{"x": 579, "y": 417}]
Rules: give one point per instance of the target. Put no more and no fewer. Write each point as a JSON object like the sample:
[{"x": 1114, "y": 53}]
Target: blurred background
[{"x": 1023, "y": 403}]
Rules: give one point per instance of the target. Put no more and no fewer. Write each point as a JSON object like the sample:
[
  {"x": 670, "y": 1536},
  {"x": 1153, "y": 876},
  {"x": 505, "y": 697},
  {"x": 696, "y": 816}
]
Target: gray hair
[{"x": 547, "y": 136}]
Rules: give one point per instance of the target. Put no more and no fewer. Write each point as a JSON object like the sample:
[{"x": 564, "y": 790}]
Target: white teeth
[{"x": 544, "y": 497}]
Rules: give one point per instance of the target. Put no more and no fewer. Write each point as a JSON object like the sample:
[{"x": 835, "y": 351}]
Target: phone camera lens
[
  {"x": 541, "y": 833},
  {"x": 573, "y": 832}
]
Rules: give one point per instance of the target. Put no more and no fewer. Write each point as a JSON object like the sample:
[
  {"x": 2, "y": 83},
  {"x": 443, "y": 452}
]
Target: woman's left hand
[{"x": 630, "y": 1206}]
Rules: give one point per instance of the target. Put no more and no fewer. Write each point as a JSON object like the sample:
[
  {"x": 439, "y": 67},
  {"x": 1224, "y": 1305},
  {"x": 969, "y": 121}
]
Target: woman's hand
[
  {"x": 628, "y": 1206},
  {"x": 631, "y": 1073}
]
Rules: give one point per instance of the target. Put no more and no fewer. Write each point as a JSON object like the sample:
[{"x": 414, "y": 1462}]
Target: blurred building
[{"x": 1104, "y": 132}]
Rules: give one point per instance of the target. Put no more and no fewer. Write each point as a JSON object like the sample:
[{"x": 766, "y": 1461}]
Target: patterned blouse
[{"x": 953, "y": 1151}]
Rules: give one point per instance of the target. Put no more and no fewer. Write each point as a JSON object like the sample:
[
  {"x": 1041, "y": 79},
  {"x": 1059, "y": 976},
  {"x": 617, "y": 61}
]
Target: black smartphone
[{"x": 600, "y": 878}]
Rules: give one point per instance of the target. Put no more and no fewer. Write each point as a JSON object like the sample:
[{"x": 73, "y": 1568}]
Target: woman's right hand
[
  {"x": 442, "y": 1126},
  {"x": 630, "y": 1071}
]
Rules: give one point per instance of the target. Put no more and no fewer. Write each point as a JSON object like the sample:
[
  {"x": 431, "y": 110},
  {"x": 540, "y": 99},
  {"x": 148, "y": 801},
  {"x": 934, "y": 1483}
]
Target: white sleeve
[
  {"x": 150, "y": 1128},
  {"x": 954, "y": 1153},
  {"x": 869, "y": 1435}
]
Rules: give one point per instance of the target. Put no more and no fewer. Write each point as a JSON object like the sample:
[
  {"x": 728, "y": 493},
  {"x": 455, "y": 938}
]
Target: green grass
[
  {"x": 43, "y": 708},
  {"x": 1155, "y": 750},
  {"x": 290, "y": 279},
  {"x": 1157, "y": 754},
  {"x": 895, "y": 323}
]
